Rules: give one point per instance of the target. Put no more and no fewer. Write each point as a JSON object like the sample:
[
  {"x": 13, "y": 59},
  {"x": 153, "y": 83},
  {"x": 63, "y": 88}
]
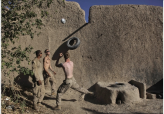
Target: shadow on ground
[
  {"x": 73, "y": 100},
  {"x": 49, "y": 98},
  {"x": 48, "y": 106},
  {"x": 29, "y": 97},
  {"x": 93, "y": 111},
  {"x": 157, "y": 89},
  {"x": 23, "y": 80},
  {"x": 96, "y": 112},
  {"x": 92, "y": 99},
  {"x": 26, "y": 88}
]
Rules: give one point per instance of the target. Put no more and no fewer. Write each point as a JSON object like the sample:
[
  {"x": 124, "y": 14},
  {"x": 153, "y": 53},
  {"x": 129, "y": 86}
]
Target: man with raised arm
[
  {"x": 38, "y": 90},
  {"x": 69, "y": 81},
  {"x": 49, "y": 77}
]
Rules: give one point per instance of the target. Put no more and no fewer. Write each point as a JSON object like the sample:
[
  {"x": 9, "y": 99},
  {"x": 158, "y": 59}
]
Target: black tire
[{"x": 72, "y": 47}]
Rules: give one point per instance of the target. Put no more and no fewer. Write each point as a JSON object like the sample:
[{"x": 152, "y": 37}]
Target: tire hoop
[{"x": 70, "y": 44}]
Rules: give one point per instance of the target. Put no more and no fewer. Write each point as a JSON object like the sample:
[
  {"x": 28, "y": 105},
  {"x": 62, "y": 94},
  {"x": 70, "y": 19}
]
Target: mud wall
[
  {"x": 120, "y": 43},
  {"x": 123, "y": 42}
]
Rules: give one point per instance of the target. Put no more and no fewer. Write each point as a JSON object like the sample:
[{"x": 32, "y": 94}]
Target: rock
[
  {"x": 27, "y": 111},
  {"x": 118, "y": 101},
  {"x": 159, "y": 96},
  {"x": 7, "y": 98},
  {"x": 151, "y": 96},
  {"x": 9, "y": 108}
]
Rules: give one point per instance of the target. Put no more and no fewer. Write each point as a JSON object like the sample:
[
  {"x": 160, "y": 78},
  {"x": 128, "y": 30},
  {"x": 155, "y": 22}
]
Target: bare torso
[
  {"x": 68, "y": 69},
  {"x": 47, "y": 62}
]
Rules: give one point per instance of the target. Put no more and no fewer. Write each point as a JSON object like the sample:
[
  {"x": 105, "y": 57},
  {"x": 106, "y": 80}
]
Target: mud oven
[{"x": 118, "y": 93}]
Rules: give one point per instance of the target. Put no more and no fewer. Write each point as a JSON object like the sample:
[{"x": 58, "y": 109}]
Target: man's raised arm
[{"x": 57, "y": 61}]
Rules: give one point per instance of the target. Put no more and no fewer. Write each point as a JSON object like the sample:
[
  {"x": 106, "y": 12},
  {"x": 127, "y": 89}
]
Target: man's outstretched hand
[
  {"x": 60, "y": 54},
  {"x": 54, "y": 72},
  {"x": 57, "y": 61}
]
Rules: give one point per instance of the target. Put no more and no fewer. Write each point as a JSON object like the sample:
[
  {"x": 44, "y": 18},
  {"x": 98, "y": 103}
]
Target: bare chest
[{"x": 48, "y": 61}]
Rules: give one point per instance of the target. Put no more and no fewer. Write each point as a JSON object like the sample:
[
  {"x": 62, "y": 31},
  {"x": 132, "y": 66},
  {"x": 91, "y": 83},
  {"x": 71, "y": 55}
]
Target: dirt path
[{"x": 72, "y": 105}]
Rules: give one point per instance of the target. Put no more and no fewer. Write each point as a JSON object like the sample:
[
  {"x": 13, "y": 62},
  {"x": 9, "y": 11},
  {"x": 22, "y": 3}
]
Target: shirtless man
[
  {"x": 69, "y": 81},
  {"x": 49, "y": 77}
]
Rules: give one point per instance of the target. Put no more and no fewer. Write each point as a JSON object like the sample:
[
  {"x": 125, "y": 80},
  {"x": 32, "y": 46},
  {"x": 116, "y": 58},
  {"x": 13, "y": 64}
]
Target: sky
[{"x": 86, "y": 4}]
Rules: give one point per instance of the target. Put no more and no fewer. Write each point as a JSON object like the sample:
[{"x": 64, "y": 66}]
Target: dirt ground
[{"x": 71, "y": 104}]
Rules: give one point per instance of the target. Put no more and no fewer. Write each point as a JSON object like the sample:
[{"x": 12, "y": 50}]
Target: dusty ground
[
  {"x": 85, "y": 107},
  {"x": 72, "y": 105}
]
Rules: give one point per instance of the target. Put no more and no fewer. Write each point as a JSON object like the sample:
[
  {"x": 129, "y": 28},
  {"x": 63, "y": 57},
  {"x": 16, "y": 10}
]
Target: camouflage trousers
[
  {"x": 49, "y": 80},
  {"x": 69, "y": 83},
  {"x": 38, "y": 92}
]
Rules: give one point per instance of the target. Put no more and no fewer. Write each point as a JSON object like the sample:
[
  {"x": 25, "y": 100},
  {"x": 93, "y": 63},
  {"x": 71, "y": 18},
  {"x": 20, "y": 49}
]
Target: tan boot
[
  {"x": 58, "y": 107},
  {"x": 39, "y": 104},
  {"x": 92, "y": 94},
  {"x": 36, "y": 107},
  {"x": 53, "y": 93},
  {"x": 81, "y": 98}
]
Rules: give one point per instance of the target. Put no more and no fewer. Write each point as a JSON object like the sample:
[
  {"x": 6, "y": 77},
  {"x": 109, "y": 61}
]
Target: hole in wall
[
  {"x": 120, "y": 84},
  {"x": 120, "y": 98},
  {"x": 116, "y": 85}
]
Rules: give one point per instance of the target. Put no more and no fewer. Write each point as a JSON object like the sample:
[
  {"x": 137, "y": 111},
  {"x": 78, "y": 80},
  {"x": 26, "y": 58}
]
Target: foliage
[
  {"x": 15, "y": 97},
  {"x": 19, "y": 18}
]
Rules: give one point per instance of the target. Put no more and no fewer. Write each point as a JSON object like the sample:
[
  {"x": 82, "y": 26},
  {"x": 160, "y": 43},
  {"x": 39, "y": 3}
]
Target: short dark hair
[
  {"x": 45, "y": 51},
  {"x": 66, "y": 55},
  {"x": 38, "y": 52}
]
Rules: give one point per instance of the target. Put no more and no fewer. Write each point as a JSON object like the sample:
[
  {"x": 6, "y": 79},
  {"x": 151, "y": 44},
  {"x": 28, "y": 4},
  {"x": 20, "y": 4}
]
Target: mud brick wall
[{"x": 120, "y": 43}]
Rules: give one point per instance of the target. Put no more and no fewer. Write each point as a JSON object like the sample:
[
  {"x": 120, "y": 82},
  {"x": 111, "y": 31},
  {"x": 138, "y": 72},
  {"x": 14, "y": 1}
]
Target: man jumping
[
  {"x": 48, "y": 75},
  {"x": 69, "y": 81}
]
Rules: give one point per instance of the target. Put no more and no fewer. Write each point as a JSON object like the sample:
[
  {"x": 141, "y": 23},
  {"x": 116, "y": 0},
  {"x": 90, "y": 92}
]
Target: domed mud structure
[{"x": 116, "y": 93}]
